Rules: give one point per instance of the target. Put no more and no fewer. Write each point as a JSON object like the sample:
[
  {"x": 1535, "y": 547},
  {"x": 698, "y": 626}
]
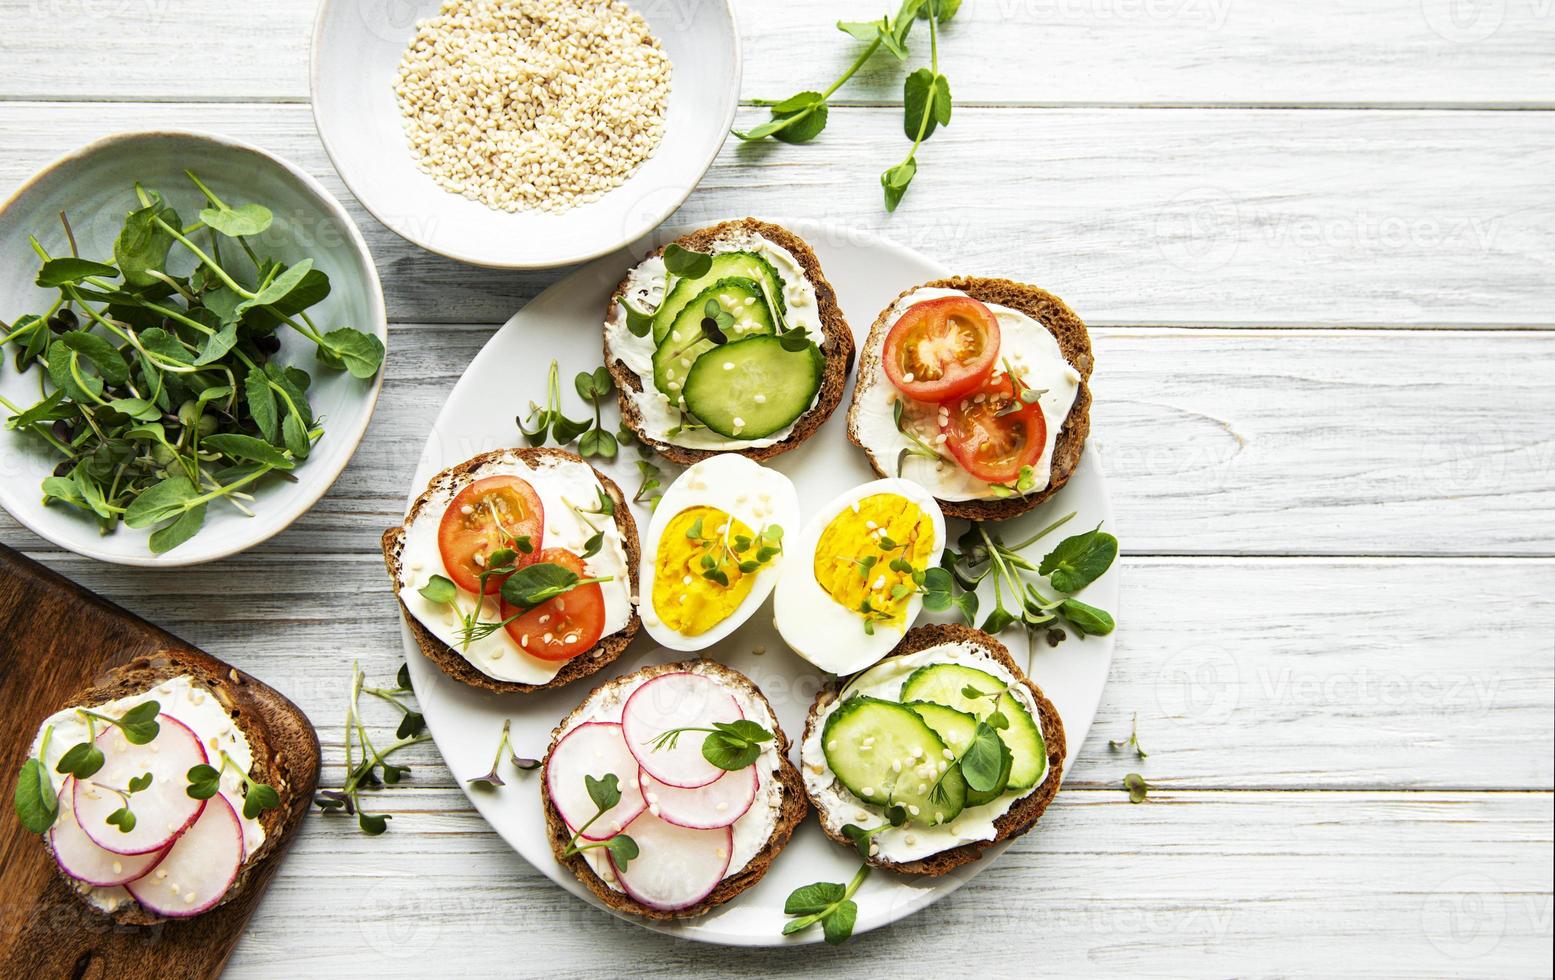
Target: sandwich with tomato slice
[
  {"x": 517, "y": 570},
  {"x": 977, "y": 389}
]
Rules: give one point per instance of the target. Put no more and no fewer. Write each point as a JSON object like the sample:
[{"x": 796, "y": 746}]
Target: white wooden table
[{"x": 1315, "y": 242}]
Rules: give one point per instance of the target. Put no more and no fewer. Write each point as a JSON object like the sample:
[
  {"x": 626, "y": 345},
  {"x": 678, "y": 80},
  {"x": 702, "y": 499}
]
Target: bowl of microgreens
[{"x": 191, "y": 344}]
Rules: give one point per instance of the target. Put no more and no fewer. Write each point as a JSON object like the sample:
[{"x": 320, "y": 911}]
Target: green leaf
[
  {"x": 246, "y": 219},
  {"x": 411, "y": 725},
  {"x": 65, "y": 490},
  {"x": 605, "y": 791},
  {"x": 943, "y": 9},
  {"x": 161, "y": 501},
  {"x": 136, "y": 408},
  {"x": 103, "y": 355},
  {"x": 638, "y": 322},
  {"x": 284, "y": 380},
  {"x": 896, "y": 181},
  {"x": 259, "y": 799},
  {"x": 362, "y": 353},
  {"x": 142, "y": 244},
  {"x": 440, "y": 590},
  {"x": 36, "y": 804},
  {"x": 218, "y": 344},
  {"x": 622, "y": 850},
  {"x": 865, "y": 30},
  {"x": 141, "y": 783},
  {"x": 123, "y": 819},
  {"x": 160, "y": 342},
  {"x": 926, "y": 96},
  {"x": 811, "y": 899},
  {"x": 139, "y": 724},
  {"x": 68, "y": 271},
  {"x": 983, "y": 761},
  {"x": 1137, "y": 788},
  {"x": 373, "y": 824},
  {"x": 204, "y": 782},
  {"x": 1086, "y": 619},
  {"x": 804, "y": 125},
  {"x": 280, "y": 287},
  {"x": 261, "y": 402},
  {"x": 81, "y": 760},
  {"x": 838, "y": 926},
  {"x": 597, "y": 442},
  {"x": 165, "y": 539},
  {"x": 998, "y": 620},
  {"x": 683, "y": 262},
  {"x": 295, "y": 435},
  {"x": 1079, "y": 560},
  {"x": 48, "y": 409},
  {"x": 538, "y": 583},
  {"x": 247, "y": 449}
]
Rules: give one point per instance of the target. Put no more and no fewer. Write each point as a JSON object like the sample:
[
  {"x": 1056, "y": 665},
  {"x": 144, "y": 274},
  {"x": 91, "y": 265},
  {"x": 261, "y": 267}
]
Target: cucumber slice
[
  {"x": 748, "y": 265},
  {"x": 752, "y": 388},
  {"x": 685, "y": 342},
  {"x": 943, "y": 683},
  {"x": 956, "y": 729},
  {"x": 865, "y": 736}
]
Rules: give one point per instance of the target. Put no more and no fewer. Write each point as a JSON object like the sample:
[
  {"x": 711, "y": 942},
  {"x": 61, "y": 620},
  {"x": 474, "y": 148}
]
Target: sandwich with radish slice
[
  {"x": 668, "y": 791},
  {"x": 158, "y": 792}
]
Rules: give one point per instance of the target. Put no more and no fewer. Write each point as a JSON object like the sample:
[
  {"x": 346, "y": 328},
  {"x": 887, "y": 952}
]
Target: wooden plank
[
  {"x": 1270, "y": 673},
  {"x": 1353, "y": 884},
  {"x": 1215, "y": 442},
  {"x": 1118, "y": 52},
  {"x": 60, "y": 640},
  {"x": 1133, "y": 216}
]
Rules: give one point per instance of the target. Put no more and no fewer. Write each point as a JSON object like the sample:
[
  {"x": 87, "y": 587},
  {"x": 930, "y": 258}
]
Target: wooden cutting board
[{"x": 56, "y": 639}]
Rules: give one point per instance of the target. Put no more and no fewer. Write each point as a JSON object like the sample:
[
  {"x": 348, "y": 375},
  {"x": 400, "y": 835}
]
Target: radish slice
[
  {"x": 669, "y": 701},
  {"x": 675, "y": 866},
  {"x": 718, "y": 804},
  {"x": 593, "y": 749},
  {"x": 199, "y": 869},
  {"x": 83, "y": 860},
  {"x": 162, "y": 810}
]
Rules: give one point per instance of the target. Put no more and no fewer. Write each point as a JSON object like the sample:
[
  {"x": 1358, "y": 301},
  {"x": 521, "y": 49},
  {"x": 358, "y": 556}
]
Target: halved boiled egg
[
  {"x": 853, "y": 581},
  {"x": 713, "y": 549}
]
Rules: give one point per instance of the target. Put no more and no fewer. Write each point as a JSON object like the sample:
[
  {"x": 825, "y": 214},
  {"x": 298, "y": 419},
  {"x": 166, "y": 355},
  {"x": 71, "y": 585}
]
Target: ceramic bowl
[
  {"x": 357, "y": 46},
  {"x": 94, "y": 186}
]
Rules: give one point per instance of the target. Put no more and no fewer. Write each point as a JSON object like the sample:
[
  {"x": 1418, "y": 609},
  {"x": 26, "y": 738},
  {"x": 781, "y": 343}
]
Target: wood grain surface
[
  {"x": 58, "y": 640},
  {"x": 1316, "y": 243}
]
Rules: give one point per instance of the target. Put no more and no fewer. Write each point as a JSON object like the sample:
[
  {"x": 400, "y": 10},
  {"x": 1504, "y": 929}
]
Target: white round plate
[
  {"x": 357, "y": 46},
  {"x": 565, "y": 322},
  {"x": 95, "y": 187}
]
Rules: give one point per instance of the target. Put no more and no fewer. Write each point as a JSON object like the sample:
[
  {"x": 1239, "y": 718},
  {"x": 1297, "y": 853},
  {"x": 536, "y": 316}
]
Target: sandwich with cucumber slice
[
  {"x": 729, "y": 339},
  {"x": 933, "y": 755}
]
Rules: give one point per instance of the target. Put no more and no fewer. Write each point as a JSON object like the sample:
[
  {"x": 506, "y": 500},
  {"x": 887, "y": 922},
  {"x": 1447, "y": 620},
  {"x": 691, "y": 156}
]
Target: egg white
[
  {"x": 819, "y": 628},
  {"x": 745, "y": 490}
]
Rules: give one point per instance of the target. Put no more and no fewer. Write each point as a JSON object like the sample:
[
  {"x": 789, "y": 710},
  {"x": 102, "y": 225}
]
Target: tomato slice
[
  {"x": 486, "y": 516},
  {"x": 563, "y": 627},
  {"x": 993, "y": 433},
  {"x": 942, "y": 348}
]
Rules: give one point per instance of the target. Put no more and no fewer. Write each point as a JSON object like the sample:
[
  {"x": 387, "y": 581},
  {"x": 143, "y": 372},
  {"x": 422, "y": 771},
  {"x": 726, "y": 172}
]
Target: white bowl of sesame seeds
[{"x": 524, "y": 134}]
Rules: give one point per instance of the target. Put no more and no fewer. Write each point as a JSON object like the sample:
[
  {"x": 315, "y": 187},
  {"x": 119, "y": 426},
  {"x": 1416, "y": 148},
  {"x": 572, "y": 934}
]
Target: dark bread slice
[
  {"x": 286, "y": 750},
  {"x": 1073, "y": 340},
  {"x": 794, "y": 804},
  {"x": 838, "y": 347},
  {"x": 449, "y": 660},
  {"x": 1023, "y": 815}
]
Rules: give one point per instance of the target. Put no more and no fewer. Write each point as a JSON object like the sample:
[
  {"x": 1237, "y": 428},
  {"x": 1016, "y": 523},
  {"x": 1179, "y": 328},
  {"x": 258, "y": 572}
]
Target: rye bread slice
[
  {"x": 449, "y": 660},
  {"x": 286, "y": 751},
  {"x": 794, "y": 805},
  {"x": 1073, "y": 340},
  {"x": 1023, "y": 815},
  {"x": 838, "y": 347}
]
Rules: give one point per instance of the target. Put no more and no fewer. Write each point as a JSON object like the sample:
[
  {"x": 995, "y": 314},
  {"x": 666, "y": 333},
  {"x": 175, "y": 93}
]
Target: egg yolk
[
  {"x": 685, "y": 599},
  {"x": 854, "y": 554}
]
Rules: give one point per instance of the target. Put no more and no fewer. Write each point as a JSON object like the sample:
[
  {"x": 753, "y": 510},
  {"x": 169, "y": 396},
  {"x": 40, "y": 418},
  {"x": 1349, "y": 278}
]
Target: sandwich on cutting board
[
  {"x": 727, "y": 340},
  {"x": 977, "y": 389}
]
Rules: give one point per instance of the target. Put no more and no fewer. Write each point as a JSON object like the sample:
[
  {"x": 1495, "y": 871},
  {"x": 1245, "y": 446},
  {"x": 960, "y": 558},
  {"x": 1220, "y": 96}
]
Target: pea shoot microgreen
[
  {"x": 205, "y": 782},
  {"x": 165, "y": 395},
  {"x": 828, "y": 903},
  {"x": 367, "y": 766},
  {"x": 982, "y": 762},
  {"x": 493, "y": 779},
  {"x": 1132, "y": 742},
  {"x": 605, "y": 792},
  {"x": 729, "y": 745}
]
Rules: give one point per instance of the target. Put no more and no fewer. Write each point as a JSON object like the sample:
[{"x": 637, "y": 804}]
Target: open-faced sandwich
[
  {"x": 713, "y": 550},
  {"x": 933, "y": 755},
  {"x": 161, "y": 791},
  {"x": 727, "y": 340},
  {"x": 517, "y": 570},
  {"x": 855, "y": 580},
  {"x": 978, "y": 390},
  {"x": 668, "y": 791}
]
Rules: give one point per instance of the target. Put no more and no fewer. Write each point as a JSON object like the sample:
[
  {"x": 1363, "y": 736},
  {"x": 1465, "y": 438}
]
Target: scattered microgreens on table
[
  {"x": 926, "y": 98},
  {"x": 729, "y": 745},
  {"x": 651, "y": 489},
  {"x": 1072, "y": 565},
  {"x": 493, "y": 779},
  {"x": 606, "y": 793},
  {"x": 366, "y": 765},
  {"x": 1137, "y": 788},
  {"x": 548, "y": 422},
  {"x": 160, "y": 391},
  {"x": 523, "y": 589},
  {"x": 1132, "y": 742}
]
